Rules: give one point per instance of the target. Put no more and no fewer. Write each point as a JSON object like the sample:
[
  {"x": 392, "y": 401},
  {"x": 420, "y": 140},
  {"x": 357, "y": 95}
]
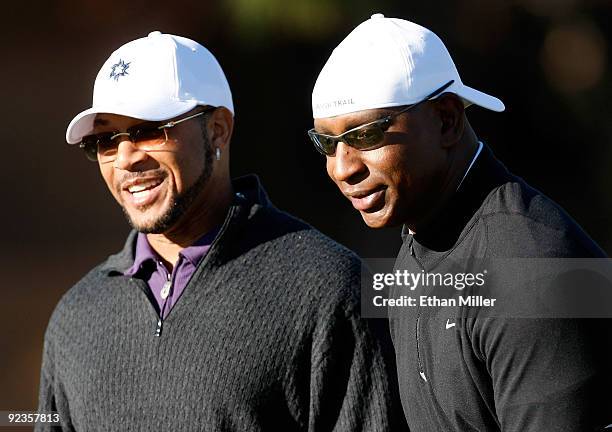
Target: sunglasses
[
  {"x": 147, "y": 137},
  {"x": 367, "y": 136}
]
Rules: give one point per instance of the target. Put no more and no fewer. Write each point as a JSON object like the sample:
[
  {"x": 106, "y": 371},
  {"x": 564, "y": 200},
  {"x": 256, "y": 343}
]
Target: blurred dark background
[{"x": 548, "y": 60}]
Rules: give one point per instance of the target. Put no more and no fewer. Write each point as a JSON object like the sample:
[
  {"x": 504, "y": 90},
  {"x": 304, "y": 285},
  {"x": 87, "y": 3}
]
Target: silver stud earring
[{"x": 218, "y": 153}]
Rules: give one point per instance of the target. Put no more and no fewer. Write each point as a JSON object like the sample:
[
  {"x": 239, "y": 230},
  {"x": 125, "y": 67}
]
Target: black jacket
[{"x": 461, "y": 370}]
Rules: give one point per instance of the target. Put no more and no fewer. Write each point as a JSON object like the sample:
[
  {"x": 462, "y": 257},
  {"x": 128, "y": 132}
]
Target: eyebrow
[{"x": 100, "y": 122}]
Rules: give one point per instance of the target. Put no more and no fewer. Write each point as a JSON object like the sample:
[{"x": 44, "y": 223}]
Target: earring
[{"x": 218, "y": 153}]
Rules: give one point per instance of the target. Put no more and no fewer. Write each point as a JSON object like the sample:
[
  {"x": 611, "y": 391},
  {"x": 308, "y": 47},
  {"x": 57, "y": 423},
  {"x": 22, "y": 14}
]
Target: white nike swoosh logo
[{"x": 449, "y": 325}]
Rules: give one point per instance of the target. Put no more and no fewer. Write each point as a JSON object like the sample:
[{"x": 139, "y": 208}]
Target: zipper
[
  {"x": 420, "y": 367},
  {"x": 143, "y": 287},
  {"x": 168, "y": 284},
  {"x": 418, "y": 350}
]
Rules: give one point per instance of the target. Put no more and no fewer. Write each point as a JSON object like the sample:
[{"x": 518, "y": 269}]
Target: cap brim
[
  {"x": 82, "y": 124},
  {"x": 479, "y": 98}
]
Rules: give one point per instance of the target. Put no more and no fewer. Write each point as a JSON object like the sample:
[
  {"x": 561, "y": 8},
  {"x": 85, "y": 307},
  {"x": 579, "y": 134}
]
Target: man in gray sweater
[{"x": 221, "y": 313}]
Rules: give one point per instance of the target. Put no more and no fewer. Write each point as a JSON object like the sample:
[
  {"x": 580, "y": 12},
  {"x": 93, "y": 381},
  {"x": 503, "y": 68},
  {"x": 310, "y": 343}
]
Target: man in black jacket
[
  {"x": 221, "y": 313},
  {"x": 389, "y": 115}
]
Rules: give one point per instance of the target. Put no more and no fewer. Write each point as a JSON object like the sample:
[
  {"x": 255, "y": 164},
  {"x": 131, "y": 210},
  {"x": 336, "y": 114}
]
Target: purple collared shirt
[{"x": 168, "y": 287}]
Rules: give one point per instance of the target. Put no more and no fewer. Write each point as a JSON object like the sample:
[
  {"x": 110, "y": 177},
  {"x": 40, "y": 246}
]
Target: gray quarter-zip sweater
[{"x": 266, "y": 336}]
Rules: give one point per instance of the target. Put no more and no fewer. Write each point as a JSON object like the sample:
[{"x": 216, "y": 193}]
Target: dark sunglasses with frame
[{"x": 367, "y": 136}]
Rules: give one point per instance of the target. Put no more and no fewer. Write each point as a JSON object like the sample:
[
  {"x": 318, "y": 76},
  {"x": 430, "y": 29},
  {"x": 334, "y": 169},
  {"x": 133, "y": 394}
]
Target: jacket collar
[{"x": 446, "y": 227}]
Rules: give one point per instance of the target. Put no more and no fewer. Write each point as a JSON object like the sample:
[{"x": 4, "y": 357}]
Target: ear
[
  {"x": 451, "y": 113},
  {"x": 220, "y": 128}
]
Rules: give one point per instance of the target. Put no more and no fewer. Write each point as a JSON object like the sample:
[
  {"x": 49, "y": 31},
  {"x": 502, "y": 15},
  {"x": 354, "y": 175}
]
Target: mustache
[{"x": 130, "y": 176}]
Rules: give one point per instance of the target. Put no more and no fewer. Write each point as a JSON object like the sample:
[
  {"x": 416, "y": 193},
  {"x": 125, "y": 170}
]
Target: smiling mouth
[
  {"x": 368, "y": 201},
  {"x": 141, "y": 188},
  {"x": 142, "y": 193}
]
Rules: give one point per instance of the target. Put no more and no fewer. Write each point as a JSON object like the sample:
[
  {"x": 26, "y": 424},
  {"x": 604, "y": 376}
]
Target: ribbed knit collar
[
  {"x": 249, "y": 197},
  {"x": 453, "y": 220}
]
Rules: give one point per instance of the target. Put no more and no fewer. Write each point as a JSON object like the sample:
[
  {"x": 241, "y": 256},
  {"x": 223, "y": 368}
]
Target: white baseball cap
[
  {"x": 154, "y": 78},
  {"x": 386, "y": 62}
]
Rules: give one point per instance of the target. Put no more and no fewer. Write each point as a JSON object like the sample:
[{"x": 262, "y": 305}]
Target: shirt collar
[
  {"x": 143, "y": 253},
  {"x": 194, "y": 253},
  {"x": 445, "y": 227}
]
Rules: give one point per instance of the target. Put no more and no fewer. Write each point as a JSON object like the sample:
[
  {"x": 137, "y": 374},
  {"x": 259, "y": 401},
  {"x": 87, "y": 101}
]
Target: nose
[
  {"x": 128, "y": 155},
  {"x": 347, "y": 165}
]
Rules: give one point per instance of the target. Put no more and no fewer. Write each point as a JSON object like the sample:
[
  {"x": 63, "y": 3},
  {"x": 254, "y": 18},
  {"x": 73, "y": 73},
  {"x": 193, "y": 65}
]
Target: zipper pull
[{"x": 158, "y": 329}]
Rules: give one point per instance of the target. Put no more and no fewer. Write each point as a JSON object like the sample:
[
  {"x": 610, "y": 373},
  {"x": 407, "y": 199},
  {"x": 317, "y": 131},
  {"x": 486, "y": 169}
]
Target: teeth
[{"x": 137, "y": 188}]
